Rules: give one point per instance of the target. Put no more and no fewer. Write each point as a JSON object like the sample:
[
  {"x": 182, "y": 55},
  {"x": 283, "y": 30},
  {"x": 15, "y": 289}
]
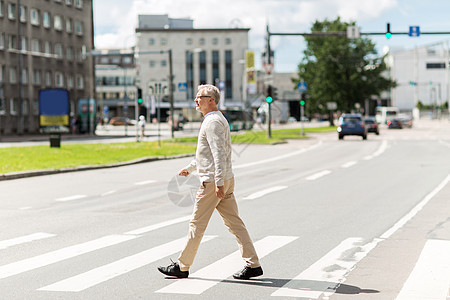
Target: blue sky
[{"x": 115, "y": 20}]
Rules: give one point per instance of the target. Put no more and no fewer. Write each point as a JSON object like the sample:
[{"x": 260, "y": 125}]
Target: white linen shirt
[{"x": 213, "y": 156}]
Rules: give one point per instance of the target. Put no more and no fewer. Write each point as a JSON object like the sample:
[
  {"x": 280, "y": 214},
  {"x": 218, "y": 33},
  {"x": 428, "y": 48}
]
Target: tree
[{"x": 341, "y": 70}]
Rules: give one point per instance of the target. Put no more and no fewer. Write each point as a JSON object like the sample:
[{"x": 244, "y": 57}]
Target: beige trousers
[{"x": 206, "y": 202}]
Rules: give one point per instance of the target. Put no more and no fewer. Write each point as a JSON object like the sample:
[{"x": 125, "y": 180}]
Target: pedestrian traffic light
[
  {"x": 139, "y": 96},
  {"x": 303, "y": 99},
  {"x": 269, "y": 94},
  {"x": 388, "y": 30}
]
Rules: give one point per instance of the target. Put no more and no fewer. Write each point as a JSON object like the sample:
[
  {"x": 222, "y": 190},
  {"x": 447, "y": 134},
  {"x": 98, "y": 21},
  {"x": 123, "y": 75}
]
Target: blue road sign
[
  {"x": 182, "y": 86},
  {"x": 414, "y": 30},
  {"x": 302, "y": 86}
]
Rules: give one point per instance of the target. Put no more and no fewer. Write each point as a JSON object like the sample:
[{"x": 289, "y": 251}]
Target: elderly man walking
[{"x": 213, "y": 164}]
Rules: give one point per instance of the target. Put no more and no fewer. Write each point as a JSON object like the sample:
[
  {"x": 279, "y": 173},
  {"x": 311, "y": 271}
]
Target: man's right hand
[{"x": 184, "y": 172}]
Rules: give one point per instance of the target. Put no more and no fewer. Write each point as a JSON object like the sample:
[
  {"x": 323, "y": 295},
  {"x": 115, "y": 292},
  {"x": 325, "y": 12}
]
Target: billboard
[{"x": 54, "y": 110}]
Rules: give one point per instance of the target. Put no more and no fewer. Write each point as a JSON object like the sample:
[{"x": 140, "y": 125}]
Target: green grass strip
[{"x": 16, "y": 159}]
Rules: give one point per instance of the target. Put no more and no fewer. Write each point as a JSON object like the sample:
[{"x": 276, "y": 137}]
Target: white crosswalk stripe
[
  {"x": 25, "y": 239},
  {"x": 61, "y": 254},
  {"x": 223, "y": 268},
  {"x": 328, "y": 272},
  {"x": 430, "y": 278},
  {"x": 101, "y": 274}
]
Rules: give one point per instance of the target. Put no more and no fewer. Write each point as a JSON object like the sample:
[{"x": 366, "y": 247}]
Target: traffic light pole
[
  {"x": 269, "y": 132},
  {"x": 302, "y": 113}
]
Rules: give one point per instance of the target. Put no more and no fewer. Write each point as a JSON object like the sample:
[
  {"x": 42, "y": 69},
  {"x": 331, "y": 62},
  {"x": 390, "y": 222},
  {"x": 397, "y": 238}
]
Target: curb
[{"x": 25, "y": 174}]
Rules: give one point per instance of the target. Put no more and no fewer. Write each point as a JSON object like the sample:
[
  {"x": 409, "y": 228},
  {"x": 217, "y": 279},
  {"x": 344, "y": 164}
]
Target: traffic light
[
  {"x": 275, "y": 93},
  {"x": 303, "y": 99},
  {"x": 269, "y": 94},
  {"x": 139, "y": 96},
  {"x": 388, "y": 30}
]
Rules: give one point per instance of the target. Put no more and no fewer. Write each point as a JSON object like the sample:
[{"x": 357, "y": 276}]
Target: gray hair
[{"x": 212, "y": 91}]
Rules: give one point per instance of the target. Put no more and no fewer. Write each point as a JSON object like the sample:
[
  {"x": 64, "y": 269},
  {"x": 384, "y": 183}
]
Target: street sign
[
  {"x": 302, "y": 86},
  {"x": 353, "y": 32},
  {"x": 414, "y": 30},
  {"x": 182, "y": 86}
]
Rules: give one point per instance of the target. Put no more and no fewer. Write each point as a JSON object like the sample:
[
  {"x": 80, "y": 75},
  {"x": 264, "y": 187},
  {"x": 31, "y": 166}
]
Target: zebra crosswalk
[{"x": 318, "y": 281}]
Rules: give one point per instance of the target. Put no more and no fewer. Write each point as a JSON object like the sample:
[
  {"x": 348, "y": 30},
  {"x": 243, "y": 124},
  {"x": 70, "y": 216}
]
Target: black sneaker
[
  {"x": 173, "y": 270},
  {"x": 248, "y": 272}
]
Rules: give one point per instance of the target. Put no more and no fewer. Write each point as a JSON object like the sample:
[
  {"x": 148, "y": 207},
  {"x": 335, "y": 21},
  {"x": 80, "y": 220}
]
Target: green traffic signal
[
  {"x": 269, "y": 99},
  {"x": 302, "y": 102},
  {"x": 140, "y": 101},
  {"x": 388, "y": 31}
]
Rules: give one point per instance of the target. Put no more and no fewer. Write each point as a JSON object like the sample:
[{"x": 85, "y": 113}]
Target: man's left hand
[{"x": 220, "y": 192}]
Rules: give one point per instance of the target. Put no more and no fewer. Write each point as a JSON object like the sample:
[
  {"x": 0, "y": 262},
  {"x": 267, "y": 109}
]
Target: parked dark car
[
  {"x": 395, "y": 123},
  {"x": 352, "y": 124},
  {"x": 372, "y": 125}
]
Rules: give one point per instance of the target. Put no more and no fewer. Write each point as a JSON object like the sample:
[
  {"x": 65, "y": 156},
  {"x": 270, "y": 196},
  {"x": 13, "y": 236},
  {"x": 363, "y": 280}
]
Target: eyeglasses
[{"x": 202, "y": 97}]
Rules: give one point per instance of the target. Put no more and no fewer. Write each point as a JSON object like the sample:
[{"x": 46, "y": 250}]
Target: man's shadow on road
[{"x": 303, "y": 285}]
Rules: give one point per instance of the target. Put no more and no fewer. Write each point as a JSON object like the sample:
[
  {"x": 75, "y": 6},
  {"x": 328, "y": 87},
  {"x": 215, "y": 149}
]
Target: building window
[
  {"x": 227, "y": 41},
  {"x": 202, "y": 67},
  {"x": 46, "y": 19},
  {"x": 23, "y": 14},
  {"x": 163, "y": 63},
  {"x": 35, "y": 46},
  {"x": 36, "y": 108},
  {"x": 80, "y": 82},
  {"x": 12, "y": 42},
  {"x": 79, "y": 3},
  {"x": 57, "y": 23},
  {"x": 79, "y": 56},
  {"x": 70, "y": 82},
  {"x": 59, "y": 51},
  {"x": 11, "y": 11},
  {"x": 12, "y": 75},
  {"x": 201, "y": 41},
  {"x": 68, "y": 2},
  {"x": 2, "y": 41},
  {"x": 2, "y": 106},
  {"x": 59, "y": 79},
  {"x": 23, "y": 43},
  {"x": 78, "y": 28},
  {"x": 2, "y": 74},
  {"x": 13, "y": 106},
  {"x": 228, "y": 74},
  {"x": 163, "y": 41},
  {"x": 151, "y": 41},
  {"x": 25, "y": 107},
  {"x": 215, "y": 66},
  {"x": 190, "y": 74},
  {"x": 24, "y": 75},
  {"x": 59, "y": 1},
  {"x": 189, "y": 41},
  {"x": 152, "y": 64},
  {"x": 48, "y": 79},
  {"x": 215, "y": 41},
  {"x": 436, "y": 65},
  {"x": 34, "y": 16},
  {"x": 47, "y": 48},
  {"x": 1, "y": 8},
  {"x": 69, "y": 53},
  {"x": 69, "y": 25},
  {"x": 37, "y": 77}
]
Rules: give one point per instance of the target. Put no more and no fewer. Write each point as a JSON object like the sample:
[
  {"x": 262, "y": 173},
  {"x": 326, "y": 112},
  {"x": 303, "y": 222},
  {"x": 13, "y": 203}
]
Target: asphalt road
[{"x": 331, "y": 219}]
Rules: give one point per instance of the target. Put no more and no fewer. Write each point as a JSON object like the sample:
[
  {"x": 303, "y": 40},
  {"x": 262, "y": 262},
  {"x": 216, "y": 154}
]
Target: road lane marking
[
  {"x": 318, "y": 175},
  {"x": 108, "y": 193},
  {"x": 61, "y": 254},
  {"x": 25, "y": 207},
  {"x": 379, "y": 151},
  {"x": 325, "y": 275},
  {"x": 430, "y": 278},
  {"x": 158, "y": 226},
  {"x": 25, "y": 239},
  {"x": 144, "y": 182},
  {"x": 71, "y": 198},
  {"x": 264, "y": 192},
  {"x": 101, "y": 274},
  {"x": 349, "y": 164},
  {"x": 415, "y": 210},
  {"x": 211, "y": 275},
  {"x": 277, "y": 157}
]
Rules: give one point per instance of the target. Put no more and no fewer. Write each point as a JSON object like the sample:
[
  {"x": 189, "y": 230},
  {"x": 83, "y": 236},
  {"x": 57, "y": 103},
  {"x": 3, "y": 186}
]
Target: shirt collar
[{"x": 211, "y": 112}]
